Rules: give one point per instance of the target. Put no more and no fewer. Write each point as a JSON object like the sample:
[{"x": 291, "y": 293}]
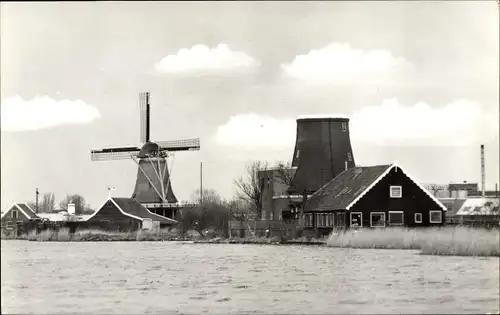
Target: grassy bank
[
  {"x": 456, "y": 241},
  {"x": 63, "y": 235}
]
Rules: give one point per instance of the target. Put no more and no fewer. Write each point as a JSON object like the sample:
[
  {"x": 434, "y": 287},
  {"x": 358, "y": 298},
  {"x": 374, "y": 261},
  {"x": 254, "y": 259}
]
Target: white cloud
[
  {"x": 250, "y": 131},
  {"x": 459, "y": 123},
  {"x": 44, "y": 112},
  {"x": 202, "y": 58},
  {"x": 341, "y": 63}
]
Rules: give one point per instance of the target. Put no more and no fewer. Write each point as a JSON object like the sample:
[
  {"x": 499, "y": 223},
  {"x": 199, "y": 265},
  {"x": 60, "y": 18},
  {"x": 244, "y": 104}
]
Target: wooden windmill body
[{"x": 153, "y": 187}]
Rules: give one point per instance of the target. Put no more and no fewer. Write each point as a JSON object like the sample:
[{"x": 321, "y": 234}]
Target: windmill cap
[{"x": 323, "y": 117}]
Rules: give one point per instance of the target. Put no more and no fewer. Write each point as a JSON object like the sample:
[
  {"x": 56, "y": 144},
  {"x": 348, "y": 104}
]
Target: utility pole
[
  {"x": 201, "y": 182},
  {"x": 36, "y": 202}
]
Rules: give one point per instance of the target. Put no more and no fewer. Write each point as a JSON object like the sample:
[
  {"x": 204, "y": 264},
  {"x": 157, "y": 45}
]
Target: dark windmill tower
[
  {"x": 152, "y": 187},
  {"x": 322, "y": 151}
]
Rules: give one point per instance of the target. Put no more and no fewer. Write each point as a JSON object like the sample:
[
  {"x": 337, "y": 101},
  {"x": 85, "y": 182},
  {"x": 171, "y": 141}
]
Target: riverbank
[{"x": 452, "y": 241}]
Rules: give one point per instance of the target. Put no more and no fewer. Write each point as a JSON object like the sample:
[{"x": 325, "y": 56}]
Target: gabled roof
[
  {"x": 351, "y": 185},
  {"x": 132, "y": 208},
  {"x": 25, "y": 210},
  {"x": 480, "y": 206},
  {"x": 344, "y": 188}
]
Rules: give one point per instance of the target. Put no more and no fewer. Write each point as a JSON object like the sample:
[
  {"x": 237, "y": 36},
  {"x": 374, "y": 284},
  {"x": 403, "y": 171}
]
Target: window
[
  {"x": 331, "y": 220},
  {"x": 14, "y": 214},
  {"x": 418, "y": 217},
  {"x": 396, "y": 218},
  {"x": 377, "y": 219},
  {"x": 396, "y": 191},
  {"x": 436, "y": 216},
  {"x": 349, "y": 156},
  {"x": 356, "y": 219},
  {"x": 344, "y": 126}
]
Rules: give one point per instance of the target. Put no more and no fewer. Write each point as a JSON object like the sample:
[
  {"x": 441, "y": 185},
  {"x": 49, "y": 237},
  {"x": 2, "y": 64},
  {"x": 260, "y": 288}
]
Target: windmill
[{"x": 152, "y": 187}]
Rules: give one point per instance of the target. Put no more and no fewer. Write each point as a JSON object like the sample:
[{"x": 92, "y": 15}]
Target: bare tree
[
  {"x": 78, "y": 200},
  {"x": 285, "y": 173},
  {"x": 249, "y": 187},
  {"x": 48, "y": 202},
  {"x": 209, "y": 196}
]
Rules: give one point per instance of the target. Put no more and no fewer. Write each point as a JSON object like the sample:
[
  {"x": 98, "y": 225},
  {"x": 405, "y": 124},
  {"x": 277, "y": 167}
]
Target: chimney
[
  {"x": 109, "y": 191},
  {"x": 482, "y": 171},
  {"x": 71, "y": 209}
]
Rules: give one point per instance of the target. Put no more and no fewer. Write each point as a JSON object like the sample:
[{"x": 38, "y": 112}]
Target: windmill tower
[
  {"x": 152, "y": 186},
  {"x": 322, "y": 151}
]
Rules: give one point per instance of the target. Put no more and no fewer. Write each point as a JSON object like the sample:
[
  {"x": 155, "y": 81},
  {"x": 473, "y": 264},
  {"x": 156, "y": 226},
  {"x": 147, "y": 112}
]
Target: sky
[{"x": 419, "y": 81}]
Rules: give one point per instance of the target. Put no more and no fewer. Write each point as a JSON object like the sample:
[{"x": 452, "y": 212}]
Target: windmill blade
[
  {"x": 144, "y": 116},
  {"x": 180, "y": 145},
  {"x": 120, "y": 153}
]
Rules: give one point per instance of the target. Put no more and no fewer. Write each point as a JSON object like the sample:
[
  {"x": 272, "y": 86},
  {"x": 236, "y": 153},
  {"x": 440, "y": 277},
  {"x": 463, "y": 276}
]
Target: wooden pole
[
  {"x": 201, "y": 182},
  {"x": 36, "y": 202}
]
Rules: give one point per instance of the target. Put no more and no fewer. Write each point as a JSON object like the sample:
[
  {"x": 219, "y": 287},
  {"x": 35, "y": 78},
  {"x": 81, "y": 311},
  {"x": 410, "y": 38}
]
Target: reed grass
[
  {"x": 457, "y": 241},
  {"x": 64, "y": 235}
]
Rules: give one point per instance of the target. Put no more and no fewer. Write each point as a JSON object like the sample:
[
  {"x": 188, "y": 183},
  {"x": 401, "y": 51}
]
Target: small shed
[
  {"x": 126, "y": 214},
  {"x": 18, "y": 213},
  {"x": 372, "y": 196}
]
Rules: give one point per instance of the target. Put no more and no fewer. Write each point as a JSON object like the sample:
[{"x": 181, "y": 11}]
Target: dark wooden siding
[
  {"x": 8, "y": 220},
  {"x": 413, "y": 200},
  {"x": 109, "y": 213}
]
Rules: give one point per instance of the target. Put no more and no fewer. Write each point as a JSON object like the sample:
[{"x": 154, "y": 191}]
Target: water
[{"x": 166, "y": 277}]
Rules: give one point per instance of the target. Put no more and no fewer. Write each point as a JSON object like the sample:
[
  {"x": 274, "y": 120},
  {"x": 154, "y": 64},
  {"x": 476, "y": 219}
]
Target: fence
[
  {"x": 485, "y": 221},
  {"x": 263, "y": 228}
]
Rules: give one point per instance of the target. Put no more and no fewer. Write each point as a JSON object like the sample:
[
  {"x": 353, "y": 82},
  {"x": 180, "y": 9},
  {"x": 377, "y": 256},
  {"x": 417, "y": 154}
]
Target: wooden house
[
  {"x": 373, "y": 196},
  {"x": 18, "y": 213},
  {"x": 125, "y": 214}
]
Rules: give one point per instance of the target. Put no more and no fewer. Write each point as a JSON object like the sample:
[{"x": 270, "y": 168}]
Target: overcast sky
[{"x": 419, "y": 80}]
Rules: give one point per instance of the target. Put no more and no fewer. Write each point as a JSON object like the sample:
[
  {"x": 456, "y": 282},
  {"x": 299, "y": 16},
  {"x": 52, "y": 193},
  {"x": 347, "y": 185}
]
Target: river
[{"x": 168, "y": 277}]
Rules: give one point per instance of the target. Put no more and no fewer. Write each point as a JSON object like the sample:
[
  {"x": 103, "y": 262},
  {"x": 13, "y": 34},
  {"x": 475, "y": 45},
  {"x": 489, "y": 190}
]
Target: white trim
[
  {"x": 395, "y": 164},
  {"x": 371, "y": 220},
  {"x": 415, "y": 217},
  {"x": 20, "y": 209},
  {"x": 350, "y": 219},
  {"x": 30, "y": 209},
  {"x": 292, "y": 196},
  {"x": 160, "y": 216},
  {"x": 117, "y": 206},
  {"x": 440, "y": 216},
  {"x": 402, "y": 216},
  {"x": 320, "y": 116},
  {"x": 400, "y": 190}
]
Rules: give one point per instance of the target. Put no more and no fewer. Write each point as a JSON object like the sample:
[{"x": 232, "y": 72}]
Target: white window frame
[
  {"x": 344, "y": 126},
  {"x": 14, "y": 214},
  {"x": 9, "y": 225},
  {"x": 400, "y": 189},
  {"x": 440, "y": 216},
  {"x": 350, "y": 219},
  {"x": 415, "y": 217},
  {"x": 371, "y": 219},
  {"x": 402, "y": 215}
]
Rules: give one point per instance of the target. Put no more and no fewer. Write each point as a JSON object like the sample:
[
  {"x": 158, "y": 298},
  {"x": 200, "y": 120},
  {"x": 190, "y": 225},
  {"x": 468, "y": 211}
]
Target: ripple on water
[{"x": 196, "y": 278}]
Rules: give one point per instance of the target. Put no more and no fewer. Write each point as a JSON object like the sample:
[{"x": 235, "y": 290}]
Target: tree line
[
  {"x": 214, "y": 213},
  {"x": 47, "y": 204}
]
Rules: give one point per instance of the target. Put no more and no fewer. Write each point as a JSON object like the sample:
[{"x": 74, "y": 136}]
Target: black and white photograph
[{"x": 250, "y": 157}]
